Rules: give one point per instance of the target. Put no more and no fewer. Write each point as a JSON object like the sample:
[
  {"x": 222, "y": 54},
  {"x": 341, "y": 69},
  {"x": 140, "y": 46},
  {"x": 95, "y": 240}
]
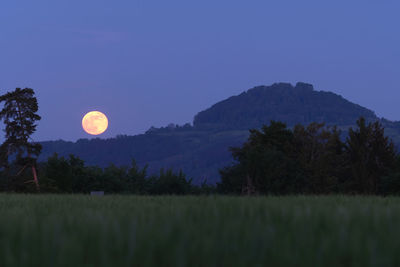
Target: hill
[
  {"x": 200, "y": 150},
  {"x": 281, "y": 102}
]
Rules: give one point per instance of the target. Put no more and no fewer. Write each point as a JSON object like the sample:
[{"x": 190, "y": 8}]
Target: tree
[
  {"x": 390, "y": 184},
  {"x": 266, "y": 163},
  {"x": 170, "y": 183},
  {"x": 20, "y": 116},
  {"x": 372, "y": 156},
  {"x": 321, "y": 153},
  {"x": 137, "y": 182}
]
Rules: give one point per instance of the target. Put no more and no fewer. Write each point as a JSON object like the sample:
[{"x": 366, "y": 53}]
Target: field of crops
[{"x": 53, "y": 230}]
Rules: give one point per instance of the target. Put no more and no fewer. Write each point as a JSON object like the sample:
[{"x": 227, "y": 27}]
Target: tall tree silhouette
[
  {"x": 19, "y": 116},
  {"x": 372, "y": 155},
  {"x": 266, "y": 164}
]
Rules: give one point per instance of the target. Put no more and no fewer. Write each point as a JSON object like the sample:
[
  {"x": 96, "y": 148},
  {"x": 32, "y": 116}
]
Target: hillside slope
[
  {"x": 281, "y": 102},
  {"x": 200, "y": 151}
]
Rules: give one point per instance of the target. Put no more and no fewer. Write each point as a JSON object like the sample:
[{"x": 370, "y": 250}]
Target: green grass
[{"x": 53, "y": 230}]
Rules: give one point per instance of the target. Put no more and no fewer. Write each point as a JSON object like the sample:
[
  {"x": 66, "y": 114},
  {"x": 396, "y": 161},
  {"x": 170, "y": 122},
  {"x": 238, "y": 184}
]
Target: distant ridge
[{"x": 202, "y": 149}]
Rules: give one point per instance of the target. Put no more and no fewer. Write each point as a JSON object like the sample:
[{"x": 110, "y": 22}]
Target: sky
[{"x": 153, "y": 62}]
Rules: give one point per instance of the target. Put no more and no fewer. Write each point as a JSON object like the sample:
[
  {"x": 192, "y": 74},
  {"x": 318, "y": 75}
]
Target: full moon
[{"x": 95, "y": 123}]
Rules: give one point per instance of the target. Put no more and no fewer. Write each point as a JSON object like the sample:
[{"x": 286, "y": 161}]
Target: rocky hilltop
[{"x": 281, "y": 102}]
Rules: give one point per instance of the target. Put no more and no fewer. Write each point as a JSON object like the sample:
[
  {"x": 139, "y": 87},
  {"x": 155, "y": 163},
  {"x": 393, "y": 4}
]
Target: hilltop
[
  {"x": 281, "y": 102},
  {"x": 200, "y": 150}
]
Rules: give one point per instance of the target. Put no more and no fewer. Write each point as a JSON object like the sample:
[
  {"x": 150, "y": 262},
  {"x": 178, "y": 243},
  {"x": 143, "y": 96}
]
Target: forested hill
[
  {"x": 200, "y": 150},
  {"x": 281, "y": 102}
]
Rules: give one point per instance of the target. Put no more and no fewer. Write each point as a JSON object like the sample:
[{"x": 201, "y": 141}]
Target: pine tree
[{"x": 20, "y": 116}]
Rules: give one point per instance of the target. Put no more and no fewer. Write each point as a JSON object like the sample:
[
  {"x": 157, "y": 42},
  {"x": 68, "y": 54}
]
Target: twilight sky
[{"x": 151, "y": 62}]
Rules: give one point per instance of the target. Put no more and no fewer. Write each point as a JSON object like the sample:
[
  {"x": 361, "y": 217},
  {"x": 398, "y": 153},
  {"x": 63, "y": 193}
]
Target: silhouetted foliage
[
  {"x": 390, "y": 184},
  {"x": 371, "y": 154},
  {"x": 266, "y": 164},
  {"x": 277, "y": 160},
  {"x": 70, "y": 175},
  {"x": 321, "y": 155},
  {"x": 170, "y": 183},
  {"x": 19, "y": 116},
  {"x": 313, "y": 159}
]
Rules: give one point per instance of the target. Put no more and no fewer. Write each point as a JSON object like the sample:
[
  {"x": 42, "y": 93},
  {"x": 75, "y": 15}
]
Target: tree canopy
[
  {"x": 311, "y": 159},
  {"x": 20, "y": 116}
]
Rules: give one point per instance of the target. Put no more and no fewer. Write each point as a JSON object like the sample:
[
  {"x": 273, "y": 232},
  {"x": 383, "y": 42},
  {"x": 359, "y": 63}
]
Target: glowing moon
[{"x": 95, "y": 123}]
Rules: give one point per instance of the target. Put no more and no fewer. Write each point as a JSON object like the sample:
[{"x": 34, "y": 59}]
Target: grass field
[{"x": 53, "y": 230}]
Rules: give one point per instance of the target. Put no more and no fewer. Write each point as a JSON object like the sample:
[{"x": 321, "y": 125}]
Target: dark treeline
[
  {"x": 314, "y": 160},
  {"x": 276, "y": 160},
  {"x": 70, "y": 175}
]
